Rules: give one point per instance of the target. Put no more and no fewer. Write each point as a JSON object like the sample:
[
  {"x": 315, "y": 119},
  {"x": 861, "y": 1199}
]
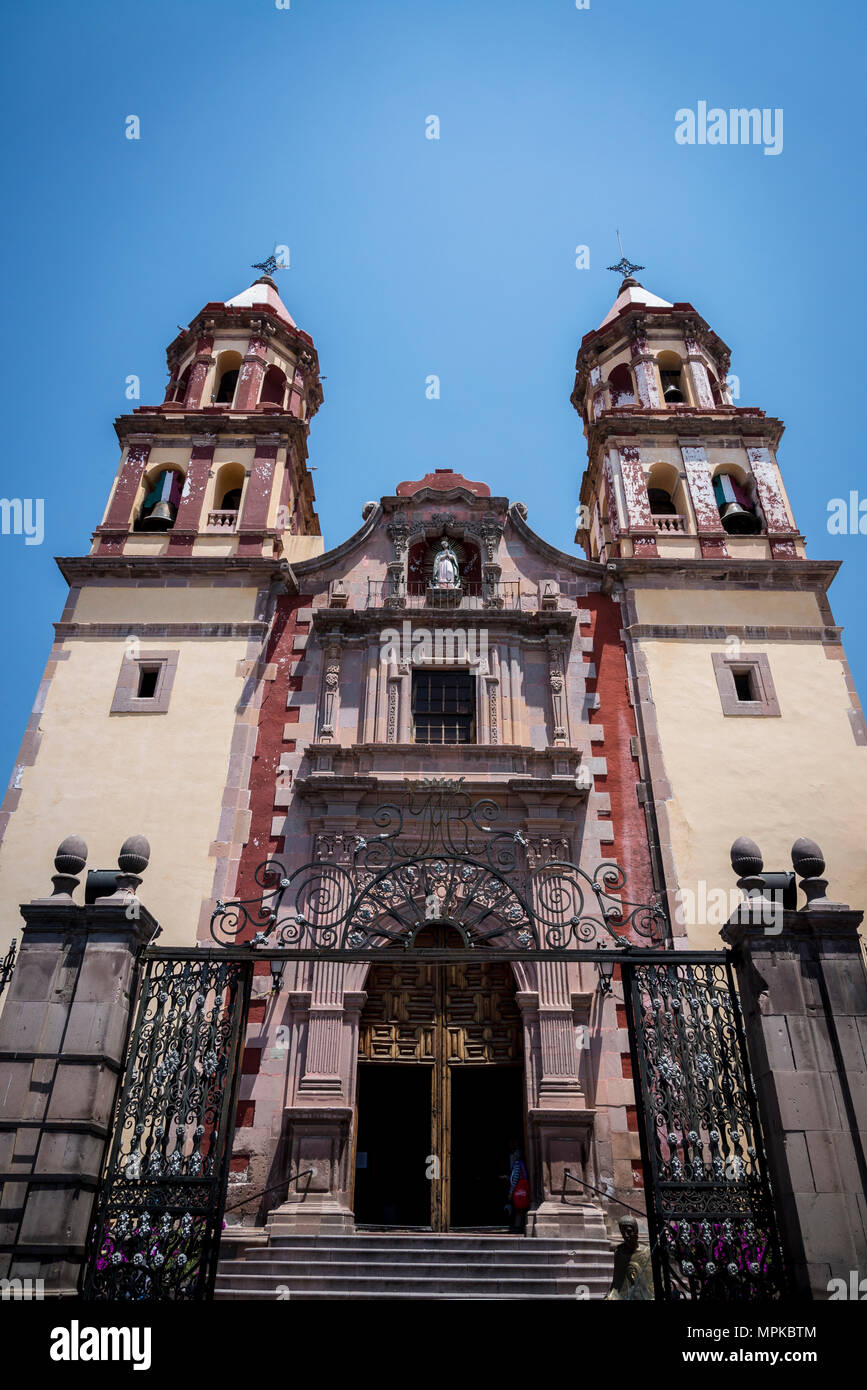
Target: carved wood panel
[{"x": 471, "y": 1006}]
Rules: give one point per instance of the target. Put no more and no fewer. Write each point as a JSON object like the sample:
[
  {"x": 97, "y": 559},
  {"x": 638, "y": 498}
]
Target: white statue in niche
[{"x": 446, "y": 570}]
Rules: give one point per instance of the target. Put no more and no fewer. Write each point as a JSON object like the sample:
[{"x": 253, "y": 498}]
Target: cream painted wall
[
  {"x": 728, "y": 606},
  {"x": 301, "y": 547},
  {"x": 107, "y": 776},
  {"x": 773, "y": 779},
  {"x": 130, "y": 605}
]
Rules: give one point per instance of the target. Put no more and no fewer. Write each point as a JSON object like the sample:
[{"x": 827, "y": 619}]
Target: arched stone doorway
[{"x": 440, "y": 1094}]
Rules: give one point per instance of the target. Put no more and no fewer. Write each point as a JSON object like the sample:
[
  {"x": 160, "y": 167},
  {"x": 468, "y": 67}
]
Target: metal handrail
[
  {"x": 273, "y": 1188},
  {"x": 603, "y": 1193}
]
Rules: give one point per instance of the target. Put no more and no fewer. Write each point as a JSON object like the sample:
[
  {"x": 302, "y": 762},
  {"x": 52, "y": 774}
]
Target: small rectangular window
[
  {"x": 144, "y": 683},
  {"x": 443, "y": 706},
  {"x": 147, "y": 682},
  {"x": 745, "y": 685}
]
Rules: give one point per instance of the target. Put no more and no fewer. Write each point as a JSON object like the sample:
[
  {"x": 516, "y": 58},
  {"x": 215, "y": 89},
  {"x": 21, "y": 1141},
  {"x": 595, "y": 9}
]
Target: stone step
[
  {"x": 410, "y": 1259},
  {"x": 548, "y": 1245},
  {"x": 365, "y": 1295},
  {"x": 421, "y": 1269},
  {"x": 383, "y": 1286},
  {"x": 407, "y": 1265}
]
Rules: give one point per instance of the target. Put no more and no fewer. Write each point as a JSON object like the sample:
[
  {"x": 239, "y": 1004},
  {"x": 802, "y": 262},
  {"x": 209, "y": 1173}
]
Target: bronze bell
[
  {"x": 160, "y": 518},
  {"x": 673, "y": 395},
  {"x": 737, "y": 521}
]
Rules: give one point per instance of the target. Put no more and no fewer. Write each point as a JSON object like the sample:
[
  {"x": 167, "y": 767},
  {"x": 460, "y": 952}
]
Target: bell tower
[
  {"x": 744, "y": 701},
  {"x": 675, "y": 468},
  {"x": 152, "y": 692},
  {"x": 220, "y": 467}
]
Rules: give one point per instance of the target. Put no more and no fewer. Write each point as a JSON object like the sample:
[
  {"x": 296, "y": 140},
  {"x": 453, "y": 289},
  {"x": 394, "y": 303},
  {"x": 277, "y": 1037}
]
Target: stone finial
[
  {"x": 807, "y": 858},
  {"x": 69, "y": 861},
  {"x": 809, "y": 863},
  {"x": 746, "y": 857},
  {"x": 747, "y": 862},
  {"x": 134, "y": 857},
  {"x": 71, "y": 855},
  {"x": 135, "y": 854}
]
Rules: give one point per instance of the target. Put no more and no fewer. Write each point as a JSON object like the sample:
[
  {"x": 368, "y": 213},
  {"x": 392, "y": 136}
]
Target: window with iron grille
[{"x": 443, "y": 707}]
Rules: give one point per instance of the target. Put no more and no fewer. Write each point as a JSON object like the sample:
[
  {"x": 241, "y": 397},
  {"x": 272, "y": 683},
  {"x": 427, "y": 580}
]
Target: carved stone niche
[
  {"x": 339, "y": 594},
  {"x": 549, "y": 594}
]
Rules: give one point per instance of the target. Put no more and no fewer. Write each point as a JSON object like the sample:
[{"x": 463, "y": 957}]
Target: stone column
[
  {"x": 711, "y": 533},
  {"x": 119, "y": 519},
  {"x": 252, "y": 372},
  {"x": 803, "y": 990},
  {"x": 63, "y": 1036},
  {"x": 560, "y": 1123},
  {"x": 698, "y": 374},
  {"x": 644, "y": 370},
  {"x": 317, "y": 1122},
  {"x": 640, "y": 524},
  {"x": 202, "y": 363},
  {"x": 189, "y": 520},
  {"x": 253, "y": 521},
  {"x": 773, "y": 507}
]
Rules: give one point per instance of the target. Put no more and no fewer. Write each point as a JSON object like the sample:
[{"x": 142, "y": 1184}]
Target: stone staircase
[{"x": 370, "y": 1265}]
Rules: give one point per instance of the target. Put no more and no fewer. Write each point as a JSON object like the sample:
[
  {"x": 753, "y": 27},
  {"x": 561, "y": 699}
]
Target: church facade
[{"x": 225, "y": 686}]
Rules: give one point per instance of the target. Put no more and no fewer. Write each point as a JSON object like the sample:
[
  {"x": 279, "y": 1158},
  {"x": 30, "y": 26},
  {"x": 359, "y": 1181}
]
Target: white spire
[
  {"x": 262, "y": 291},
  {"x": 631, "y": 292}
]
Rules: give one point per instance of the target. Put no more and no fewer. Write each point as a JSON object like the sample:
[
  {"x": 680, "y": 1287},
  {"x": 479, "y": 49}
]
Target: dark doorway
[
  {"x": 487, "y": 1114},
  {"x": 392, "y": 1185}
]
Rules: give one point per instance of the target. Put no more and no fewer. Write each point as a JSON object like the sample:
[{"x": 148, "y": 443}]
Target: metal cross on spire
[
  {"x": 624, "y": 266},
  {"x": 269, "y": 265}
]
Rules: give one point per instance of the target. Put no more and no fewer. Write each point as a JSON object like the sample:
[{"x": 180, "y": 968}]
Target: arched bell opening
[
  {"x": 227, "y": 497},
  {"x": 273, "y": 386},
  {"x": 621, "y": 386},
  {"x": 667, "y": 498},
  {"x": 672, "y": 379},
  {"x": 162, "y": 496},
  {"x": 226, "y": 377},
  {"x": 735, "y": 497}
]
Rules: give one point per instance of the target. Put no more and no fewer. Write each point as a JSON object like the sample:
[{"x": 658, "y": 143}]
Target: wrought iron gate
[
  {"x": 709, "y": 1205},
  {"x": 160, "y": 1207}
]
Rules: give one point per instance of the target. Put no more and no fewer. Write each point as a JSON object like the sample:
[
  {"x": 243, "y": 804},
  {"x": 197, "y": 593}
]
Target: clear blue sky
[{"x": 409, "y": 256}]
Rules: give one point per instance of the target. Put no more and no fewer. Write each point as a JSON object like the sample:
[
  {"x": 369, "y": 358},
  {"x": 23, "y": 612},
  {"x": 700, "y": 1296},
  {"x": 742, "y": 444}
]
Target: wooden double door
[{"x": 440, "y": 1092}]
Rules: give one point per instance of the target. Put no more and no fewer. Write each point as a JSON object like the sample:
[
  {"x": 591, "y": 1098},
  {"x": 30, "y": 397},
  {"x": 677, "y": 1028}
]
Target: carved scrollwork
[{"x": 441, "y": 849}]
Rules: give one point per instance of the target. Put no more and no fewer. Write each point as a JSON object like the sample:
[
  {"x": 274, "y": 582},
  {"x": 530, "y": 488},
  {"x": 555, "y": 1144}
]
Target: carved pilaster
[
  {"x": 556, "y": 680},
  {"x": 398, "y": 533},
  {"x": 644, "y": 370},
  {"x": 392, "y": 715},
  {"x": 330, "y": 688}
]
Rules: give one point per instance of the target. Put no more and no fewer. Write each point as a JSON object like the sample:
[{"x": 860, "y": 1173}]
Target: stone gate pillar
[
  {"x": 63, "y": 1034},
  {"x": 803, "y": 991}
]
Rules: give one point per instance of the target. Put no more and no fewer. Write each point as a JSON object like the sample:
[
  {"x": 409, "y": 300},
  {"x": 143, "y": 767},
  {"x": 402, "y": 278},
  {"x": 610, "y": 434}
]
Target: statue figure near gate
[{"x": 632, "y": 1281}]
